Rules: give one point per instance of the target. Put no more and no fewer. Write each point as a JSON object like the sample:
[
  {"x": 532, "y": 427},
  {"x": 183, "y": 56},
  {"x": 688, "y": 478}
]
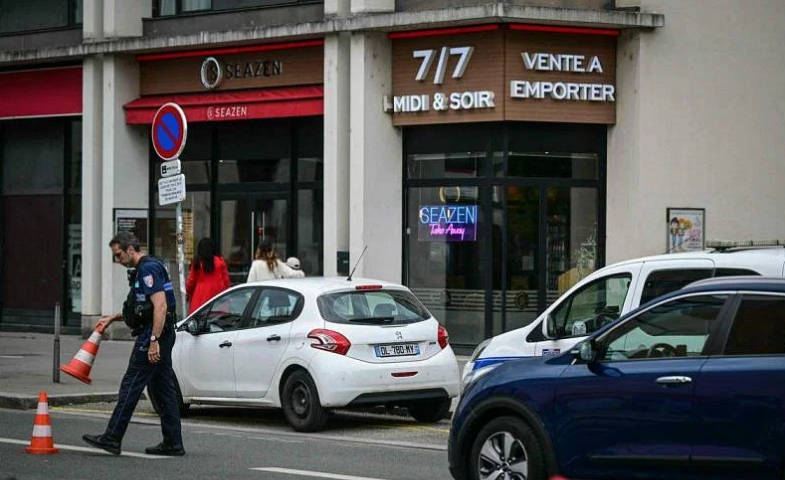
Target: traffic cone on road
[
  {"x": 80, "y": 365},
  {"x": 41, "y": 443}
]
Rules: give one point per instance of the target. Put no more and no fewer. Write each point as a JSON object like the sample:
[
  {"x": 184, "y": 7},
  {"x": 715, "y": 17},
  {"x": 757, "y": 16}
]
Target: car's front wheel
[
  {"x": 301, "y": 404},
  {"x": 430, "y": 412},
  {"x": 506, "y": 449}
]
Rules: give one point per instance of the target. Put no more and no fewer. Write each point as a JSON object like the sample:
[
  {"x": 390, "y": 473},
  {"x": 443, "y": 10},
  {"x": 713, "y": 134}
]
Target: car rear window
[{"x": 378, "y": 307}]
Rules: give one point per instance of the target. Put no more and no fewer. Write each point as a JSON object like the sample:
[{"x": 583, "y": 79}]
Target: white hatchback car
[{"x": 309, "y": 345}]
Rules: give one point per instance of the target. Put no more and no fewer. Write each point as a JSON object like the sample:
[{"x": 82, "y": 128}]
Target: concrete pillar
[
  {"x": 92, "y": 192},
  {"x": 372, "y": 6},
  {"x": 337, "y": 8},
  {"x": 125, "y": 170},
  {"x": 93, "y": 20},
  {"x": 336, "y": 149},
  {"x": 375, "y": 205},
  {"x": 124, "y": 19}
]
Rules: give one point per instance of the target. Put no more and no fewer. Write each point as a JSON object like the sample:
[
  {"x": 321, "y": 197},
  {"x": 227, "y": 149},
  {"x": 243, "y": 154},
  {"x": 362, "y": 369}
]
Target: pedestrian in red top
[{"x": 208, "y": 276}]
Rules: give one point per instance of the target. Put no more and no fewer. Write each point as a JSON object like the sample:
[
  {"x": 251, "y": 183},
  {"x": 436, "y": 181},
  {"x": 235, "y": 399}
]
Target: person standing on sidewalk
[
  {"x": 208, "y": 275},
  {"x": 150, "y": 312}
]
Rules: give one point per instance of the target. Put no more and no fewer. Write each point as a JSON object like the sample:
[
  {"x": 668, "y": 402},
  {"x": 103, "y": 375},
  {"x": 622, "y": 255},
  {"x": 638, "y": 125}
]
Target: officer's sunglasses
[{"x": 116, "y": 256}]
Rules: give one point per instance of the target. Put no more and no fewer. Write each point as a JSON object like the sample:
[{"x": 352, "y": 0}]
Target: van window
[
  {"x": 660, "y": 282},
  {"x": 735, "y": 272},
  {"x": 593, "y": 306}
]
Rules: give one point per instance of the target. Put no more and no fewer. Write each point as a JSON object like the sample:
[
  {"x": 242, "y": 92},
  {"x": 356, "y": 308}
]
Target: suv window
[
  {"x": 593, "y": 306},
  {"x": 660, "y": 282},
  {"x": 759, "y": 326},
  {"x": 378, "y": 307},
  {"x": 226, "y": 312},
  {"x": 678, "y": 328}
]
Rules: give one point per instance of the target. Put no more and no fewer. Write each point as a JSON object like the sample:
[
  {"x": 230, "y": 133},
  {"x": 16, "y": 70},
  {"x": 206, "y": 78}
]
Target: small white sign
[
  {"x": 171, "y": 168},
  {"x": 171, "y": 189}
]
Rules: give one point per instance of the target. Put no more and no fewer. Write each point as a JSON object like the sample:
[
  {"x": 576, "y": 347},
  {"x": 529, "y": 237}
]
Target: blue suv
[{"x": 689, "y": 386}]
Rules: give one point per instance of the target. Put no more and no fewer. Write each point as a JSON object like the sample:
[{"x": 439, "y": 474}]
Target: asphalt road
[{"x": 230, "y": 443}]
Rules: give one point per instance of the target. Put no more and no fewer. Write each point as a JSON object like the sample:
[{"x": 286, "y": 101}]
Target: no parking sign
[{"x": 170, "y": 130}]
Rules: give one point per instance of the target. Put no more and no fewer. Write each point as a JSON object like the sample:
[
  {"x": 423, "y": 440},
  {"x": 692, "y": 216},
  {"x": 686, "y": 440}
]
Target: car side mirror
[
  {"x": 550, "y": 331},
  {"x": 585, "y": 351},
  {"x": 190, "y": 326}
]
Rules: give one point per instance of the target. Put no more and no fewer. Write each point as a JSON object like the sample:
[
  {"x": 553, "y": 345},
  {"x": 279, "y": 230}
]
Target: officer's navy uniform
[{"x": 151, "y": 277}]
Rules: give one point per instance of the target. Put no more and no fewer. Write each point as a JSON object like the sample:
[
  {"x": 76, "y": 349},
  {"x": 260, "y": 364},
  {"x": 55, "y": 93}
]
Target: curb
[{"x": 17, "y": 401}]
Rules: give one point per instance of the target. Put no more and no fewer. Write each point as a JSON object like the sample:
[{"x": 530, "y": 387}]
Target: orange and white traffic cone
[
  {"x": 41, "y": 443},
  {"x": 80, "y": 365}
]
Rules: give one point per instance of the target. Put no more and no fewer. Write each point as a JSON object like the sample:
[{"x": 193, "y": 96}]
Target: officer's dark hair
[{"x": 125, "y": 240}]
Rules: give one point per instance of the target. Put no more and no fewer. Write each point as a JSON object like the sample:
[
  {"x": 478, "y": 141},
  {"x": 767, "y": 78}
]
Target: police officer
[{"x": 150, "y": 312}]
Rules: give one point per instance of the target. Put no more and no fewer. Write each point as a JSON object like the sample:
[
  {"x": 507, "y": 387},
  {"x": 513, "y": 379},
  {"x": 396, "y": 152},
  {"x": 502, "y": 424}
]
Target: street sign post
[{"x": 169, "y": 132}]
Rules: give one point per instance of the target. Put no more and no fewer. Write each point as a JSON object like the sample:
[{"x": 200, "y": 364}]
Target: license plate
[{"x": 397, "y": 350}]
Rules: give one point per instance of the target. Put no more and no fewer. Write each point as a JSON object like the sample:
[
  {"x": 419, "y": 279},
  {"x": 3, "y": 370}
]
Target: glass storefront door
[
  {"x": 535, "y": 194},
  {"x": 245, "y": 222}
]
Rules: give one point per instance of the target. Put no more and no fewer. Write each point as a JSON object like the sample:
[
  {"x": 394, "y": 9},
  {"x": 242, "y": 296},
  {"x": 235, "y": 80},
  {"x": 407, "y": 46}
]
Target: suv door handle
[
  {"x": 674, "y": 380},
  {"x": 275, "y": 338},
  {"x": 226, "y": 343}
]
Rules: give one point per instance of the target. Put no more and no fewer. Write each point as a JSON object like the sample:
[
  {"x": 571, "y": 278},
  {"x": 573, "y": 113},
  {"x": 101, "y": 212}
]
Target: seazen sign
[{"x": 450, "y": 223}]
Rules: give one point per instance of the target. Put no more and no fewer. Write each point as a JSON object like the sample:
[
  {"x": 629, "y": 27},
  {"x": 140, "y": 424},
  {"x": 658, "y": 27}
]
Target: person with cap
[
  {"x": 267, "y": 265},
  {"x": 294, "y": 263}
]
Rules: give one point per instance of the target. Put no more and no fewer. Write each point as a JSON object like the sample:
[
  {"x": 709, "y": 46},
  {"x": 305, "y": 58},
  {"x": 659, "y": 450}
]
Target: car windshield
[{"x": 378, "y": 307}]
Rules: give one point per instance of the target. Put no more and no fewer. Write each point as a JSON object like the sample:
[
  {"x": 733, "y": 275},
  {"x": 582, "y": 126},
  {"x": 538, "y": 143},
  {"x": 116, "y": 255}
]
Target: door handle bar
[
  {"x": 226, "y": 343},
  {"x": 274, "y": 337},
  {"x": 674, "y": 380}
]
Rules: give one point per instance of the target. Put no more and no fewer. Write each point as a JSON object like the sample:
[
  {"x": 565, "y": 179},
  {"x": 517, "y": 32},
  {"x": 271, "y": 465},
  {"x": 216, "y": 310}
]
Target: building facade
[{"x": 487, "y": 154}]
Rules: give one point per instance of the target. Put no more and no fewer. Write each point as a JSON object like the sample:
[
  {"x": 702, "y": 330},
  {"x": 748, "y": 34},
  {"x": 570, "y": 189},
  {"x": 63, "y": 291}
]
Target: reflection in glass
[
  {"x": 446, "y": 276},
  {"x": 582, "y": 166},
  {"x": 445, "y": 165},
  {"x": 571, "y": 244},
  {"x": 309, "y": 249}
]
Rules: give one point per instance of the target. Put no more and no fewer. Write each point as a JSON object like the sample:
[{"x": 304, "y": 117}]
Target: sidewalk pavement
[{"x": 26, "y": 367}]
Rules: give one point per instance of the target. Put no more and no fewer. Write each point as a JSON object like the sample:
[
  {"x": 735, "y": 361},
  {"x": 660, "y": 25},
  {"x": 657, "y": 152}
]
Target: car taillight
[
  {"x": 444, "y": 337},
  {"x": 330, "y": 341}
]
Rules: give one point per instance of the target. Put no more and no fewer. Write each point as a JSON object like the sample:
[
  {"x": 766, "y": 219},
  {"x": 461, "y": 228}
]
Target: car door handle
[
  {"x": 674, "y": 380},
  {"x": 275, "y": 338},
  {"x": 226, "y": 343}
]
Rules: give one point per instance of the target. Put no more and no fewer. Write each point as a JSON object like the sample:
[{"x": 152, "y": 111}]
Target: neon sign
[{"x": 451, "y": 223}]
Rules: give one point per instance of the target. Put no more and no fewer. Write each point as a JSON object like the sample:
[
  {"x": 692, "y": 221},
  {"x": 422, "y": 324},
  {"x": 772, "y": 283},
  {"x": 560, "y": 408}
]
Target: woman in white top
[{"x": 267, "y": 266}]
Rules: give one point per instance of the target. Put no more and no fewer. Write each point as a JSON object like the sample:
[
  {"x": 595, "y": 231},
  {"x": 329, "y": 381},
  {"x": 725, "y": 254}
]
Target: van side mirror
[
  {"x": 550, "y": 331},
  {"x": 585, "y": 351}
]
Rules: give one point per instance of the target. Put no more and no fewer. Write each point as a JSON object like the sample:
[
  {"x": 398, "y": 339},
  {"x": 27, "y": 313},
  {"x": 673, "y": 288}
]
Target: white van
[{"x": 606, "y": 294}]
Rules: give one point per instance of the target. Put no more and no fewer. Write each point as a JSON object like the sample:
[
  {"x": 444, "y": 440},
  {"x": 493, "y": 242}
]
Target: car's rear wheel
[
  {"x": 506, "y": 448},
  {"x": 431, "y": 411},
  {"x": 301, "y": 404},
  {"x": 157, "y": 404}
]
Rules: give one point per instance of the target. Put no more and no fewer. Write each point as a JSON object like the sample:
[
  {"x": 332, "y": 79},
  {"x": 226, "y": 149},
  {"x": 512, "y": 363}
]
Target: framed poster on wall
[
  {"x": 132, "y": 220},
  {"x": 686, "y": 230}
]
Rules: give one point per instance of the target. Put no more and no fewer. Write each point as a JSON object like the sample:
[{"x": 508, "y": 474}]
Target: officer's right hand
[{"x": 104, "y": 322}]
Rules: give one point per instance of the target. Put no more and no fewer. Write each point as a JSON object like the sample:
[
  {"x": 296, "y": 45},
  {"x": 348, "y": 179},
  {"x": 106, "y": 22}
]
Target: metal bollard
[{"x": 56, "y": 359}]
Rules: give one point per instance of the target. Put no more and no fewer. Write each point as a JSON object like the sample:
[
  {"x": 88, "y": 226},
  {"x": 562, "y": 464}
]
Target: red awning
[
  {"x": 46, "y": 92},
  {"x": 234, "y": 105}
]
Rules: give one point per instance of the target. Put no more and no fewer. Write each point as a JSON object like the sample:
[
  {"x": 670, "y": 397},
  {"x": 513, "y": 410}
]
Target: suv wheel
[{"x": 506, "y": 448}]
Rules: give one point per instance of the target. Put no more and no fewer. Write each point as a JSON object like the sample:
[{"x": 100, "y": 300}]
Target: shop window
[
  {"x": 310, "y": 145},
  {"x": 445, "y": 165},
  {"x": 17, "y": 16},
  {"x": 33, "y": 157},
  {"x": 579, "y": 166},
  {"x": 254, "y": 152},
  {"x": 310, "y": 213},
  {"x": 174, "y": 7}
]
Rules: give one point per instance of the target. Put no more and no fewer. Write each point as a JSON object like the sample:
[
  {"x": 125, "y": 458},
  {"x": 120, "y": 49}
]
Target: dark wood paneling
[
  {"x": 548, "y": 109},
  {"x": 485, "y": 71},
  {"x": 300, "y": 66}
]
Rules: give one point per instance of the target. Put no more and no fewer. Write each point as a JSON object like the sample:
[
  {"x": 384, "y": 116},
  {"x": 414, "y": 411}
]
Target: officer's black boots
[
  {"x": 164, "y": 449},
  {"x": 103, "y": 442}
]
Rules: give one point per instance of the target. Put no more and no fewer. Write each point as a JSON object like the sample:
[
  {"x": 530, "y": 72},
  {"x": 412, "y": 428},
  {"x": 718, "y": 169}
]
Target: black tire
[
  {"x": 301, "y": 404},
  {"x": 431, "y": 411},
  {"x": 185, "y": 408},
  {"x": 507, "y": 434}
]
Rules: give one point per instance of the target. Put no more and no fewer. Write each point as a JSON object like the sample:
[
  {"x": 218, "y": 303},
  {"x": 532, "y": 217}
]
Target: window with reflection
[
  {"x": 254, "y": 152},
  {"x": 28, "y": 15}
]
